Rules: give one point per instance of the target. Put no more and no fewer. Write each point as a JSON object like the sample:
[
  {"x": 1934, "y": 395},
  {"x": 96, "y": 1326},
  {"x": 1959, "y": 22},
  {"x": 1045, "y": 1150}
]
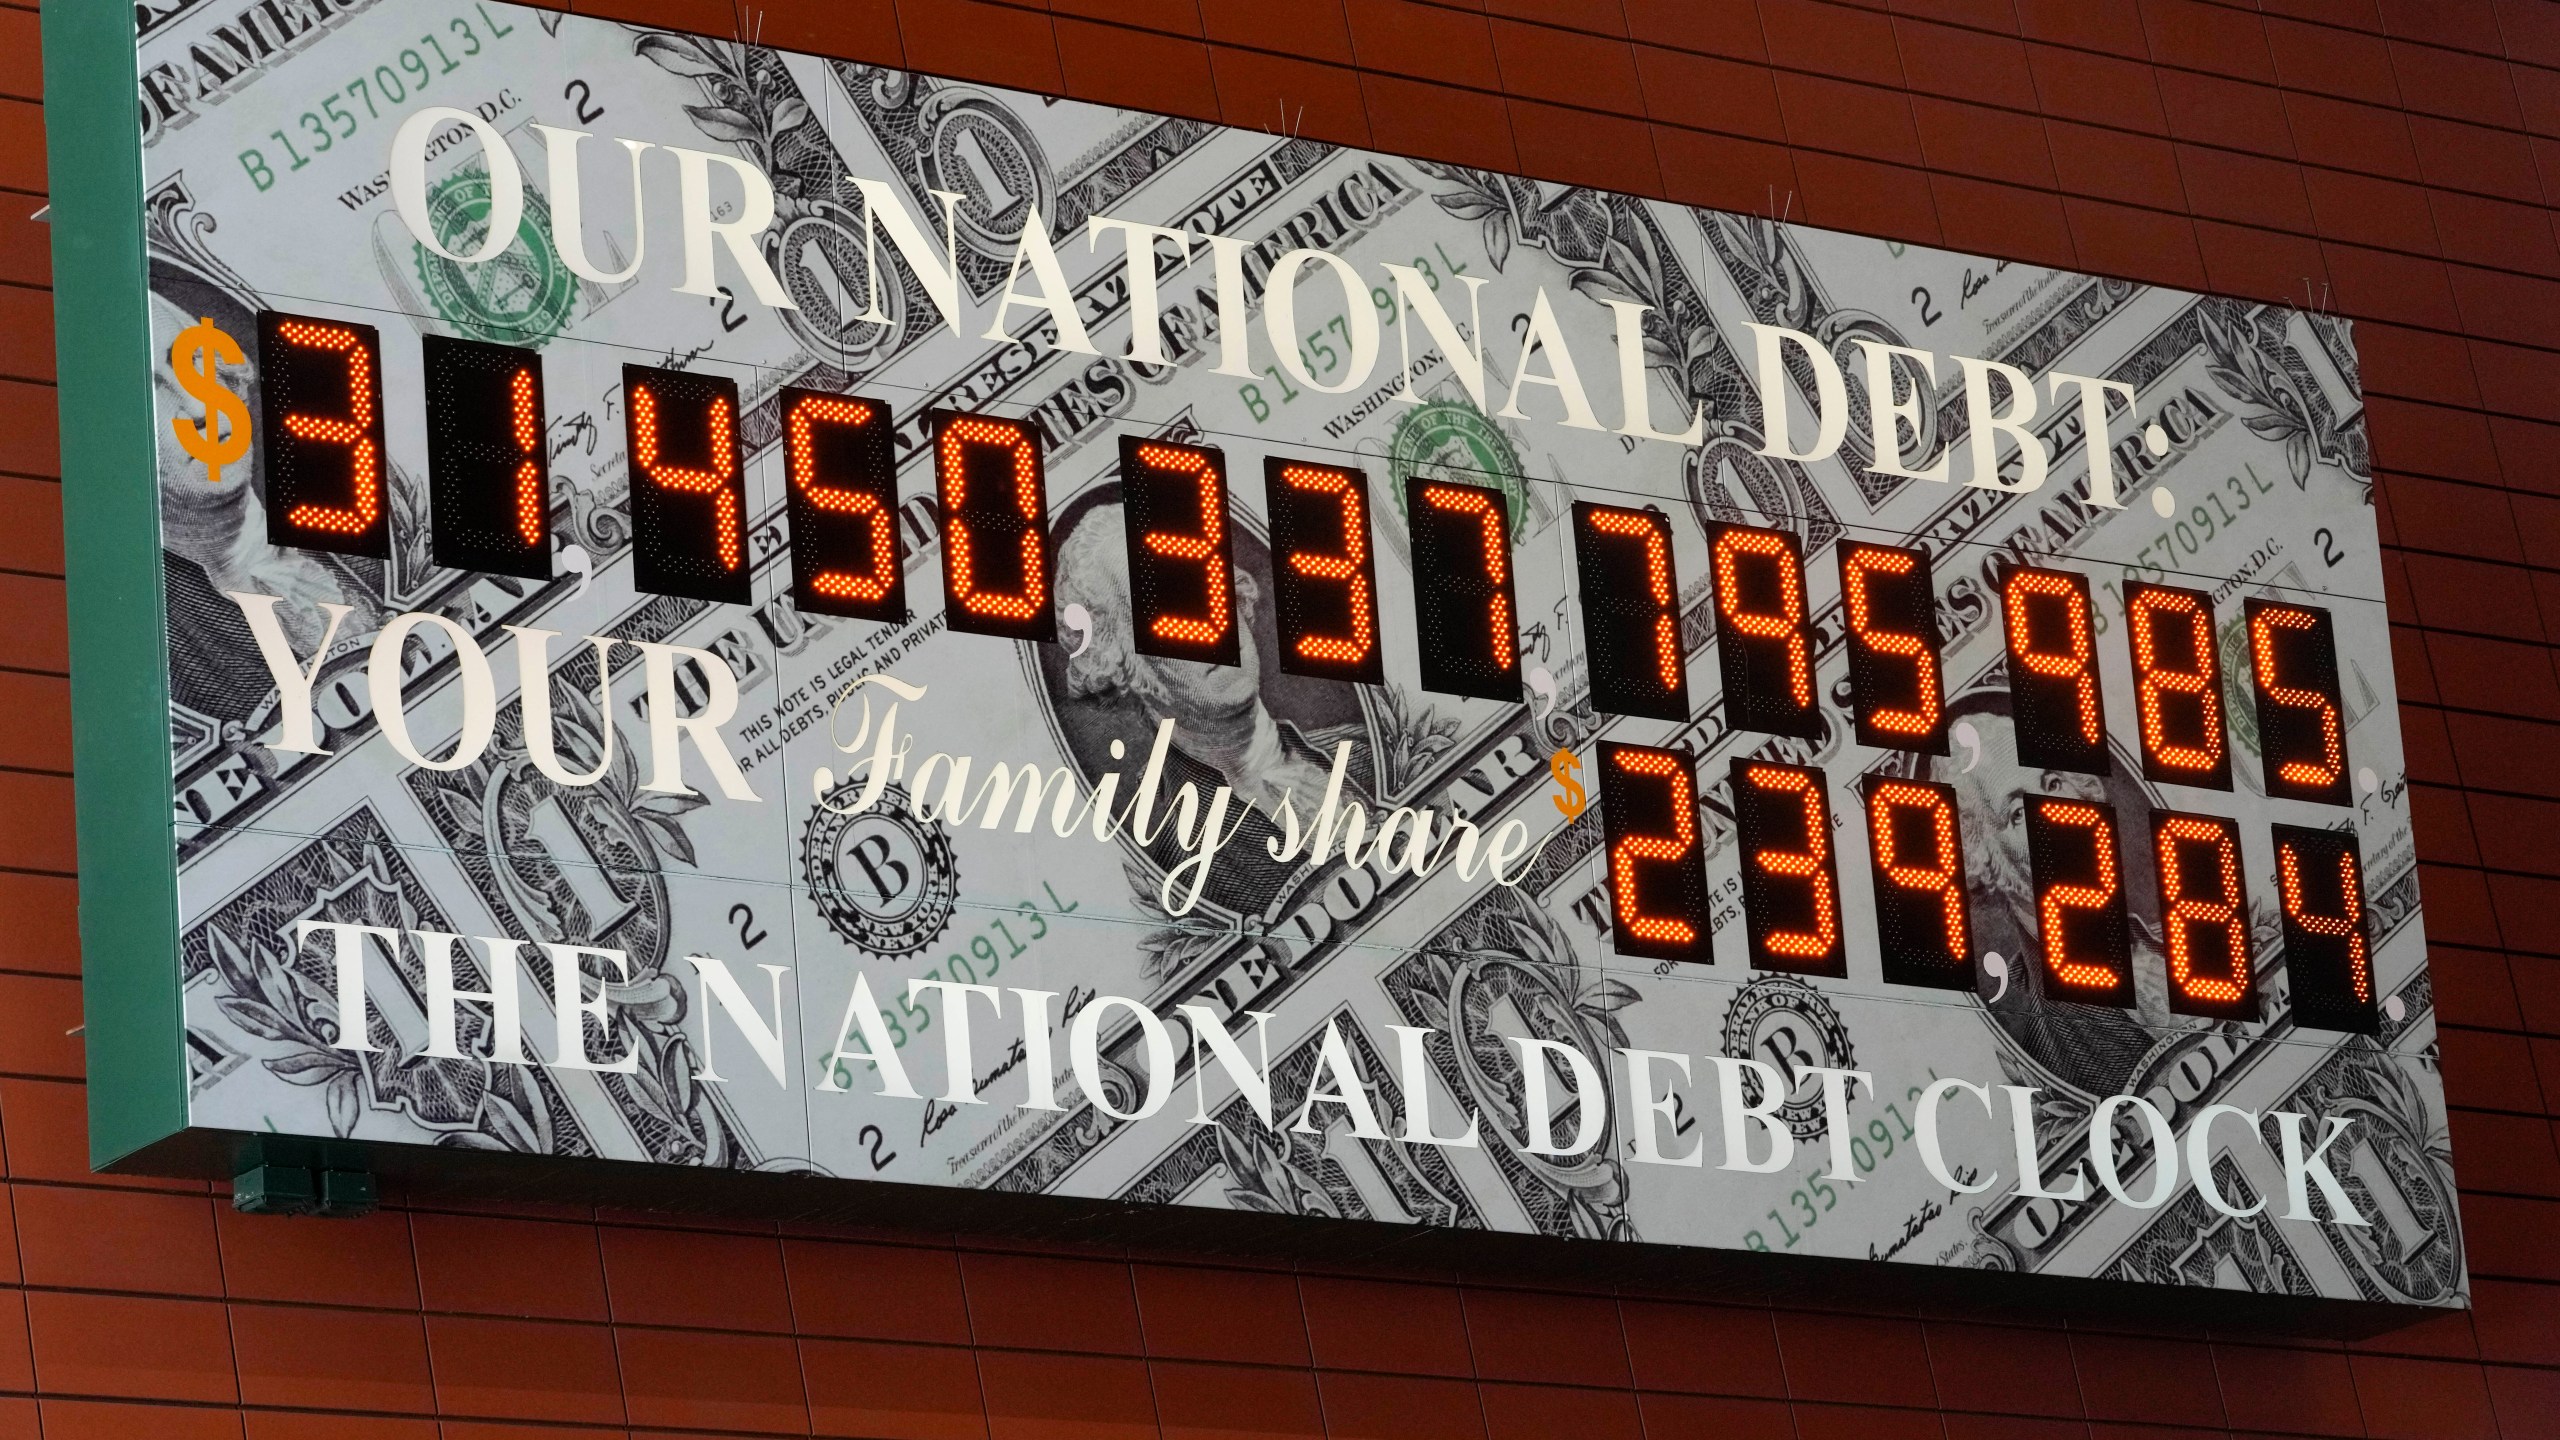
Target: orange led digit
[
  {"x": 320, "y": 447},
  {"x": 2177, "y": 685},
  {"x": 1790, "y": 890},
  {"x": 688, "y": 488},
  {"x": 488, "y": 496},
  {"x": 803, "y": 471},
  {"x": 1915, "y": 850},
  {"x": 1174, "y": 508},
  {"x": 1895, "y": 691},
  {"x": 1761, "y": 638},
  {"x": 2204, "y": 916},
  {"x": 840, "y": 477},
  {"x": 2055, "y": 702},
  {"x": 1657, "y": 874},
  {"x": 359, "y": 430},
  {"x": 524, "y": 413},
  {"x": 1325, "y": 582},
  {"x": 2293, "y": 666},
  {"x": 1462, "y": 589},
  {"x": 2328, "y": 970},
  {"x": 2080, "y": 914},
  {"x": 1630, "y": 607},
  {"x": 995, "y": 527},
  {"x": 711, "y": 478}
]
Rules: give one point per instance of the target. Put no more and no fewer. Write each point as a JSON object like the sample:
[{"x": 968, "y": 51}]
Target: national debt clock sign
[{"x": 718, "y": 621}]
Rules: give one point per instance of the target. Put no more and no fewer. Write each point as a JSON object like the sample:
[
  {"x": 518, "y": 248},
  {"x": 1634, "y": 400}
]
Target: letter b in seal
[
  {"x": 1785, "y": 1024},
  {"x": 885, "y": 881}
]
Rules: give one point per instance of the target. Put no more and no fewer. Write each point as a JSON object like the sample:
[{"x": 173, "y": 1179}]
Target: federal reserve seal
[
  {"x": 1786, "y": 1025},
  {"x": 1453, "y": 440},
  {"x": 524, "y": 297},
  {"x": 885, "y": 881}
]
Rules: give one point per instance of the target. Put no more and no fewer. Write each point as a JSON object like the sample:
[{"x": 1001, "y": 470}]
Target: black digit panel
[
  {"x": 488, "y": 471},
  {"x": 1631, "y": 610},
  {"x": 2177, "y": 685},
  {"x": 995, "y": 527},
  {"x": 2328, "y": 962},
  {"x": 1181, "y": 582},
  {"x": 2055, "y": 701},
  {"x": 688, "y": 487},
  {"x": 2204, "y": 916},
  {"x": 1915, "y": 852},
  {"x": 1790, "y": 886},
  {"x": 1761, "y": 637},
  {"x": 1657, "y": 872},
  {"x": 2293, "y": 666},
  {"x": 320, "y": 440},
  {"x": 1891, "y": 611},
  {"x": 1463, "y": 611},
  {"x": 2080, "y": 913},
  {"x": 839, "y": 467},
  {"x": 1324, "y": 578}
]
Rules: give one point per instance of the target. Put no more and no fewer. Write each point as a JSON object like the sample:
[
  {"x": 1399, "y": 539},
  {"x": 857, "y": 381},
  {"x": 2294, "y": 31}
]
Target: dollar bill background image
[{"x": 2266, "y": 459}]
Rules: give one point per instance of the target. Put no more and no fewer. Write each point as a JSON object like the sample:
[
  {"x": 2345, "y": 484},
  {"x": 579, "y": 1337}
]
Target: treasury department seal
[
  {"x": 1786, "y": 1025},
  {"x": 524, "y": 297},
  {"x": 885, "y": 881},
  {"x": 1453, "y": 440}
]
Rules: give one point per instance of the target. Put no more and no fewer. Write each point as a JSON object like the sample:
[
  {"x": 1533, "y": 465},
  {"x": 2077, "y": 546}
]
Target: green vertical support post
[{"x": 111, "y": 542}]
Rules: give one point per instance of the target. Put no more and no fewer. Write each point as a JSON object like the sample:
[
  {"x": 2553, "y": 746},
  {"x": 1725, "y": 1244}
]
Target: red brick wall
[{"x": 2401, "y": 157}]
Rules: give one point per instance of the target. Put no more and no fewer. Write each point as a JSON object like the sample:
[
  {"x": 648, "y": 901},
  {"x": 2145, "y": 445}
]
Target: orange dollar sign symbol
[
  {"x": 199, "y": 349},
  {"x": 1574, "y": 799}
]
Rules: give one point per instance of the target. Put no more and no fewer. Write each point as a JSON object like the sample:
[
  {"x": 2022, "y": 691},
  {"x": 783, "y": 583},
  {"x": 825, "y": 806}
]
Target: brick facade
[{"x": 2398, "y": 160}]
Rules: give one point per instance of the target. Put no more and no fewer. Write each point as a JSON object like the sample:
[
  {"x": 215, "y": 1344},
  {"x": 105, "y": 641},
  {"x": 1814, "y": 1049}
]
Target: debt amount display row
[
  {"x": 321, "y": 450},
  {"x": 2083, "y": 930}
]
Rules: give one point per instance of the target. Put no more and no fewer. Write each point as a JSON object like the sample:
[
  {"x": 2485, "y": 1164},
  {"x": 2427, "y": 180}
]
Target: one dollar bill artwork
[{"x": 560, "y": 867}]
